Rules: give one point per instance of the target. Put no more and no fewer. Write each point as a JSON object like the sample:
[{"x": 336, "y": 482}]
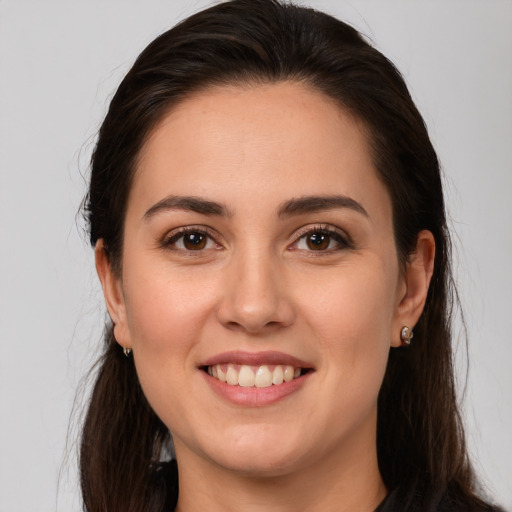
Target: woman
[{"x": 268, "y": 218}]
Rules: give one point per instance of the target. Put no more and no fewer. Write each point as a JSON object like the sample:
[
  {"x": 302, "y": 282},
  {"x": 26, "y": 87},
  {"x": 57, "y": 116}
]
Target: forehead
[{"x": 259, "y": 140}]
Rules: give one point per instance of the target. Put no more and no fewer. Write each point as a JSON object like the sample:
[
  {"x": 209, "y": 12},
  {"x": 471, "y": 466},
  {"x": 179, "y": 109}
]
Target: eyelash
[
  {"x": 171, "y": 239},
  {"x": 342, "y": 240}
]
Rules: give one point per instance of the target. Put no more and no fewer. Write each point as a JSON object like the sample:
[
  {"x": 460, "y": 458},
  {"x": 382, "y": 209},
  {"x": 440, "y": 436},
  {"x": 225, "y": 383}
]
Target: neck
[{"x": 336, "y": 482}]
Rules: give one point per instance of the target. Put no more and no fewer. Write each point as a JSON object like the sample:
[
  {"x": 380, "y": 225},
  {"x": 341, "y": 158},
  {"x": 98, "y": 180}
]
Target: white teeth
[
  {"x": 250, "y": 376},
  {"x": 288, "y": 374},
  {"x": 231, "y": 376},
  {"x": 246, "y": 377},
  {"x": 277, "y": 375},
  {"x": 263, "y": 378},
  {"x": 220, "y": 374}
]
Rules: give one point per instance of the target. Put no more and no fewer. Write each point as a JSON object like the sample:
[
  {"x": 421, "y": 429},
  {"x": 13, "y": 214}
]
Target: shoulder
[
  {"x": 432, "y": 500},
  {"x": 466, "y": 504}
]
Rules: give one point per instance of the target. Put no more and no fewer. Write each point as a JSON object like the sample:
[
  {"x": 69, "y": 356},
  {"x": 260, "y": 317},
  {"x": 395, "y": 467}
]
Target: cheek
[
  {"x": 351, "y": 315},
  {"x": 166, "y": 310},
  {"x": 166, "y": 316},
  {"x": 355, "y": 304}
]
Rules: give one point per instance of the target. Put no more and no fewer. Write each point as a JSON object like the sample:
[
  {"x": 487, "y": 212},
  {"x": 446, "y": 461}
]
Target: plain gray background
[{"x": 60, "y": 62}]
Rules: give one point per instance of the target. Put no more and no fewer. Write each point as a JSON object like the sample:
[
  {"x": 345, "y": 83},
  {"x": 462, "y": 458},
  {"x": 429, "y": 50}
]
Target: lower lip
[{"x": 253, "y": 396}]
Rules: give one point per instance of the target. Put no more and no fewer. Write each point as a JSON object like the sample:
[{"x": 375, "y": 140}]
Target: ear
[
  {"x": 113, "y": 293},
  {"x": 414, "y": 286}
]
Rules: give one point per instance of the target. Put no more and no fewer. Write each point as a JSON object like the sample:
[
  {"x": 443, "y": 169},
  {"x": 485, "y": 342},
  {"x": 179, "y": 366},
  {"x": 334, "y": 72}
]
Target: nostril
[{"x": 253, "y": 299}]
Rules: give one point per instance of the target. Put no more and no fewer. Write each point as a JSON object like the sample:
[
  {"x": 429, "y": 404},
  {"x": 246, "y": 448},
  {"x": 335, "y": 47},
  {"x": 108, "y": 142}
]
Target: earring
[
  {"x": 127, "y": 351},
  {"x": 406, "y": 335}
]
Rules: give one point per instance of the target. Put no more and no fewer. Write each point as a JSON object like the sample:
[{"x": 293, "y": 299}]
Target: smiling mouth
[{"x": 262, "y": 376}]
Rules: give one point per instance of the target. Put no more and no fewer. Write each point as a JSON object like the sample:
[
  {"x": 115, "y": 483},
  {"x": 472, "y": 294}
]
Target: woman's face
[{"x": 258, "y": 247}]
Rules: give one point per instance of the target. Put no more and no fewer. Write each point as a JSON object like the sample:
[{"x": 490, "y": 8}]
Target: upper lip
[{"x": 256, "y": 359}]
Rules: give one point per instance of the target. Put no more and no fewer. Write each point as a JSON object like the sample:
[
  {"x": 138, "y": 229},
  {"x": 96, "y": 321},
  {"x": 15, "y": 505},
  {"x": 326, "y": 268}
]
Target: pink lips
[
  {"x": 252, "y": 396},
  {"x": 256, "y": 359}
]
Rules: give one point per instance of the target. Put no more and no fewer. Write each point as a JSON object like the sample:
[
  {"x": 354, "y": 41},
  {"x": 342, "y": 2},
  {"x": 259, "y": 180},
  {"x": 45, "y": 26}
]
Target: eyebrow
[
  {"x": 188, "y": 203},
  {"x": 296, "y": 206},
  {"x": 311, "y": 204}
]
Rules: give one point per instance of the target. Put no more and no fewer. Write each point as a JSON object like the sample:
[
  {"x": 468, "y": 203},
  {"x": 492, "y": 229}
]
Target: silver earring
[
  {"x": 127, "y": 351},
  {"x": 406, "y": 335}
]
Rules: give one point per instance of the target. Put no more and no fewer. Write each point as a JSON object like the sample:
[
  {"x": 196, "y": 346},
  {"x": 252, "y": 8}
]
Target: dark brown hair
[{"x": 421, "y": 451}]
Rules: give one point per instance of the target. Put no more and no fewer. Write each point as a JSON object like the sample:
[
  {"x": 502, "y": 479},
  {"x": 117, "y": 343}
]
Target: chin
[
  {"x": 260, "y": 454},
  {"x": 261, "y": 465}
]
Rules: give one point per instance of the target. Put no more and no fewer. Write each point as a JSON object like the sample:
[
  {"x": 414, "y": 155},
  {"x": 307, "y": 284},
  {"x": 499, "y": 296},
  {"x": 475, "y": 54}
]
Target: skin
[{"x": 260, "y": 285}]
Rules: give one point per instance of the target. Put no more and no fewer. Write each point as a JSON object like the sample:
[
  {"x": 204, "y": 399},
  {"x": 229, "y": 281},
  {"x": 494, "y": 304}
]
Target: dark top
[
  {"x": 166, "y": 480},
  {"x": 447, "y": 501}
]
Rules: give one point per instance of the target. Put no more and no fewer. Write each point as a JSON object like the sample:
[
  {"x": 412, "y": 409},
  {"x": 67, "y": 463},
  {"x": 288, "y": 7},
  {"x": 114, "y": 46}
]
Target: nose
[{"x": 255, "y": 298}]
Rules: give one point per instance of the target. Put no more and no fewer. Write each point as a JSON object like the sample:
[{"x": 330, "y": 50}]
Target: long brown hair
[{"x": 421, "y": 451}]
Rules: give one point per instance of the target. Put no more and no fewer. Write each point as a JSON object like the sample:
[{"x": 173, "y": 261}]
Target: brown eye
[
  {"x": 322, "y": 240},
  {"x": 194, "y": 241},
  {"x": 190, "y": 240},
  {"x": 318, "y": 241}
]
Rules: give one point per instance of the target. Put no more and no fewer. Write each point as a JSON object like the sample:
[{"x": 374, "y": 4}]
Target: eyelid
[
  {"x": 328, "y": 229},
  {"x": 172, "y": 236},
  {"x": 340, "y": 235}
]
